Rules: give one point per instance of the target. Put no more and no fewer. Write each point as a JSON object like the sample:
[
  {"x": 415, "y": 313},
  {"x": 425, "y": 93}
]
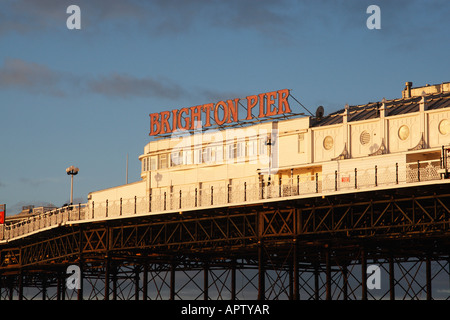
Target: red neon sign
[{"x": 269, "y": 104}]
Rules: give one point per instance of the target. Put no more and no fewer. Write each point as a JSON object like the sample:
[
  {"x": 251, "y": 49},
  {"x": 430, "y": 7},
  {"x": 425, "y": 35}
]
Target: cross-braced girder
[{"x": 316, "y": 248}]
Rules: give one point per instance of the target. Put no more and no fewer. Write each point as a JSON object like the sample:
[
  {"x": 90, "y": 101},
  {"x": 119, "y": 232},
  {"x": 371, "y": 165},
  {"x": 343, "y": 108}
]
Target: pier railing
[{"x": 217, "y": 194}]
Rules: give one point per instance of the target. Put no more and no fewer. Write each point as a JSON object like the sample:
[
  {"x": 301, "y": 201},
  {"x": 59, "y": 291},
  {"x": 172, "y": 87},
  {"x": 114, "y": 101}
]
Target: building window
[
  {"x": 231, "y": 151},
  {"x": 240, "y": 149},
  {"x": 153, "y": 163},
  {"x": 252, "y": 148},
  {"x": 301, "y": 143},
  {"x": 187, "y": 156},
  {"x": 163, "y": 161},
  {"x": 176, "y": 158},
  {"x": 262, "y": 145},
  {"x": 206, "y": 154},
  {"x": 217, "y": 154},
  {"x": 197, "y": 156}
]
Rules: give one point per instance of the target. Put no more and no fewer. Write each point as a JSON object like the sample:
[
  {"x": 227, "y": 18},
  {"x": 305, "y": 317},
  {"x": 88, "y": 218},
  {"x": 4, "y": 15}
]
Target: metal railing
[
  {"x": 216, "y": 194},
  {"x": 42, "y": 221}
]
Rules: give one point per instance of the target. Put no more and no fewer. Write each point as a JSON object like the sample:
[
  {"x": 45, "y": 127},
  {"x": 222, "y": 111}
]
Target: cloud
[
  {"x": 36, "y": 78},
  {"x": 30, "y": 76},
  {"x": 217, "y": 95},
  {"x": 158, "y": 17},
  {"x": 39, "y": 79},
  {"x": 124, "y": 86},
  {"x": 37, "y": 182},
  {"x": 24, "y": 16},
  {"x": 275, "y": 19}
]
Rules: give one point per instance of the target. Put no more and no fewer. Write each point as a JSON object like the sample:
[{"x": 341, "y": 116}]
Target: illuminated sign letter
[
  {"x": 186, "y": 119},
  {"x": 270, "y": 102},
  {"x": 216, "y": 113},
  {"x": 282, "y": 101},
  {"x": 207, "y": 108},
  {"x": 196, "y": 113},
  {"x": 261, "y": 105},
  {"x": 233, "y": 110},
  {"x": 154, "y": 121},
  {"x": 251, "y": 103},
  {"x": 165, "y": 127},
  {"x": 174, "y": 120}
]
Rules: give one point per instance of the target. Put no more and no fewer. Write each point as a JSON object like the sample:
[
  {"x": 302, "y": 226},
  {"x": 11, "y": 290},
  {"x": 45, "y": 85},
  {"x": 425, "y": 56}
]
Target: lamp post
[
  {"x": 270, "y": 143},
  {"x": 72, "y": 171}
]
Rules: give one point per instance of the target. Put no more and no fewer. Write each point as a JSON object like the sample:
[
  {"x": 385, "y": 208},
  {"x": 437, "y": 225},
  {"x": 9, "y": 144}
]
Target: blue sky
[{"x": 82, "y": 97}]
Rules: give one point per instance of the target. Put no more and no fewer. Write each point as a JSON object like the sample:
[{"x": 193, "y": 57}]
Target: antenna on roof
[
  {"x": 319, "y": 112},
  {"x": 126, "y": 173}
]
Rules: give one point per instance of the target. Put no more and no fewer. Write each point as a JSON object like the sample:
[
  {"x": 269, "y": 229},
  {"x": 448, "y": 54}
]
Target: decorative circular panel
[
  {"x": 403, "y": 132},
  {"x": 328, "y": 142},
  {"x": 444, "y": 126},
  {"x": 364, "y": 138}
]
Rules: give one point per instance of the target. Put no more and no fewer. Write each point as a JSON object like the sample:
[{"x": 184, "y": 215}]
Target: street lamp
[
  {"x": 270, "y": 143},
  {"x": 72, "y": 171}
]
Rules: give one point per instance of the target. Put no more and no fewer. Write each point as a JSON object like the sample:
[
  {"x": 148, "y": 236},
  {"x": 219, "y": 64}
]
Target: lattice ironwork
[{"x": 311, "y": 249}]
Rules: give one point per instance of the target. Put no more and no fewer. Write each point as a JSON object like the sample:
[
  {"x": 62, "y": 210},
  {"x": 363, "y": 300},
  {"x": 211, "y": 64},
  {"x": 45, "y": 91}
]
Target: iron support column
[
  {"x": 113, "y": 271},
  {"x": 391, "y": 278},
  {"x": 20, "y": 284},
  {"x": 296, "y": 295},
  {"x": 363, "y": 275},
  {"x": 106, "y": 262},
  {"x": 145, "y": 282},
  {"x": 261, "y": 266},
  {"x": 172, "y": 281},
  {"x": 428, "y": 276},
  {"x": 137, "y": 271},
  {"x": 328, "y": 274},
  {"x": 233, "y": 279},
  {"x": 345, "y": 281},
  {"x": 44, "y": 287},
  {"x": 60, "y": 286},
  {"x": 205, "y": 280},
  {"x": 80, "y": 257},
  {"x": 261, "y": 272},
  {"x": 316, "y": 282},
  {"x": 80, "y": 291}
]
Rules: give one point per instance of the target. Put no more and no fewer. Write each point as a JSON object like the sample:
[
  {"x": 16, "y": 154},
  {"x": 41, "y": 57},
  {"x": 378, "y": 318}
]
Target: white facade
[{"x": 383, "y": 141}]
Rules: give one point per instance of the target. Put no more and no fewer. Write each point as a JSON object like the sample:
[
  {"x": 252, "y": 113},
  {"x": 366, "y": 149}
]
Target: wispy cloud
[
  {"x": 125, "y": 86},
  {"x": 37, "y": 78},
  {"x": 158, "y": 17},
  {"x": 281, "y": 22},
  {"x": 37, "y": 182},
  {"x": 30, "y": 76}
]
